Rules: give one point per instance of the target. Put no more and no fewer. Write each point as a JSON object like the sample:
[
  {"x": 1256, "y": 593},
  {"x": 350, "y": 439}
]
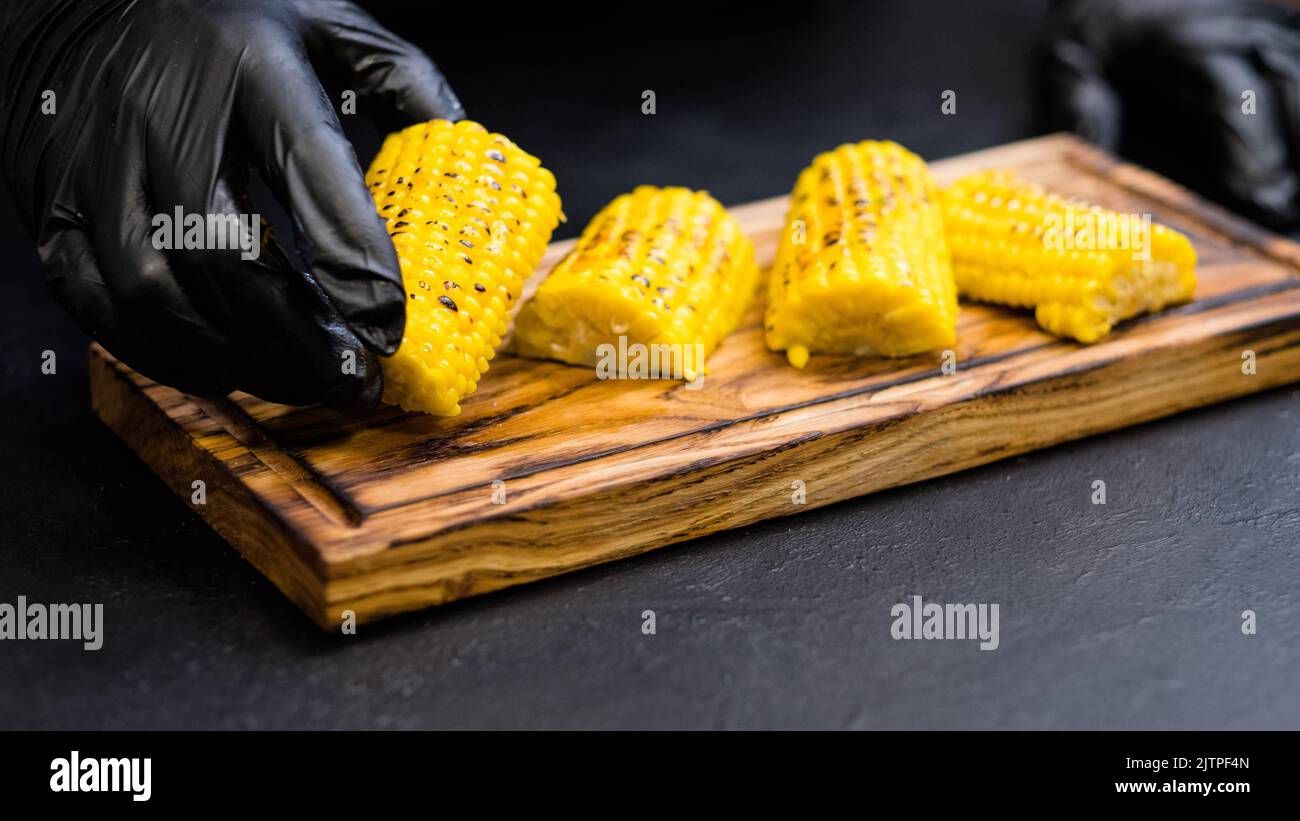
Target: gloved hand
[
  {"x": 165, "y": 104},
  {"x": 1171, "y": 84}
]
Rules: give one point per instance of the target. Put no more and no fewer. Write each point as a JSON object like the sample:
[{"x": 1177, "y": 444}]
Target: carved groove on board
[{"x": 317, "y": 490}]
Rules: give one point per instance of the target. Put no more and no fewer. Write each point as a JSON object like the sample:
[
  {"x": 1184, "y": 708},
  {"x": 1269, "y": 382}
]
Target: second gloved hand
[
  {"x": 1207, "y": 91},
  {"x": 126, "y": 114}
]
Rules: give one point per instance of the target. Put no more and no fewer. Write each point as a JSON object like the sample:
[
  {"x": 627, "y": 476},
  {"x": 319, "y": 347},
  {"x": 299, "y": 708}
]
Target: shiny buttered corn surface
[
  {"x": 862, "y": 267},
  {"x": 657, "y": 266},
  {"x": 1080, "y": 267},
  {"x": 870, "y": 262},
  {"x": 470, "y": 214}
]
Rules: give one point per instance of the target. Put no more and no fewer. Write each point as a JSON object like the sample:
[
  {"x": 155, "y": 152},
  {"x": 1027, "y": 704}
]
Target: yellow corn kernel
[
  {"x": 862, "y": 267},
  {"x": 1080, "y": 267},
  {"x": 658, "y": 266},
  {"x": 470, "y": 214}
]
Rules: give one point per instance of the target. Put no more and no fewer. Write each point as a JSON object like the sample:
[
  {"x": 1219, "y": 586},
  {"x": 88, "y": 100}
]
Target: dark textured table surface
[{"x": 1123, "y": 615}]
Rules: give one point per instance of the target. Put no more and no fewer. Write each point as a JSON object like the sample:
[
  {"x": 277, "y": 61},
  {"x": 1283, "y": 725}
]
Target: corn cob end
[{"x": 1081, "y": 268}]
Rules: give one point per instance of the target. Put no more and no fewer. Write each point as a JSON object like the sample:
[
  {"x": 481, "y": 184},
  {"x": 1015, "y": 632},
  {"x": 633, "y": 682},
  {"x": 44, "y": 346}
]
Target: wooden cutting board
[{"x": 548, "y": 469}]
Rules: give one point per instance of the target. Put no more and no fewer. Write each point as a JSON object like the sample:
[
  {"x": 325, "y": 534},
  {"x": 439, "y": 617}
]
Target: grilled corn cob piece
[
  {"x": 862, "y": 267},
  {"x": 658, "y": 266},
  {"x": 1080, "y": 267},
  {"x": 470, "y": 214}
]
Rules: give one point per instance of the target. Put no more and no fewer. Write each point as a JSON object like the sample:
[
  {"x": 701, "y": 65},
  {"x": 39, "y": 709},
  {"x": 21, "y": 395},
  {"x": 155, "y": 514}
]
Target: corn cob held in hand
[
  {"x": 658, "y": 266},
  {"x": 862, "y": 267},
  {"x": 1080, "y": 267},
  {"x": 470, "y": 214}
]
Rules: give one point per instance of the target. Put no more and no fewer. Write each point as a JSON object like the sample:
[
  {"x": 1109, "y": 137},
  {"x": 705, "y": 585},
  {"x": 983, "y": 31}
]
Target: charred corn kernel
[
  {"x": 1080, "y": 267},
  {"x": 862, "y": 267},
  {"x": 470, "y": 214},
  {"x": 658, "y": 266}
]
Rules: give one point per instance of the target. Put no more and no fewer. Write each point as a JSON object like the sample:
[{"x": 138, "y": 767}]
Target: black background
[
  {"x": 973, "y": 770},
  {"x": 1126, "y": 615}
]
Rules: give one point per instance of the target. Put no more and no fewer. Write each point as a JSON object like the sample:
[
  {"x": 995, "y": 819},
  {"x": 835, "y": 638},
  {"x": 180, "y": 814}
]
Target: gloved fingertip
[
  {"x": 452, "y": 106},
  {"x": 361, "y": 392},
  {"x": 382, "y": 340},
  {"x": 381, "y": 323},
  {"x": 423, "y": 93},
  {"x": 1276, "y": 203}
]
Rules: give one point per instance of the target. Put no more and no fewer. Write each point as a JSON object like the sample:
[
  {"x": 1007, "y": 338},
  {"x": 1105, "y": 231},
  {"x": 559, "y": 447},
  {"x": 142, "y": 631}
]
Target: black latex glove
[
  {"x": 1161, "y": 81},
  {"x": 166, "y": 103}
]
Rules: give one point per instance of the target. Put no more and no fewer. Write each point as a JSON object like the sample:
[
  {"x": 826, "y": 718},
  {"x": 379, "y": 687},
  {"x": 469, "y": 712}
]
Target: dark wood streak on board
[
  {"x": 866, "y": 390},
  {"x": 393, "y": 512},
  {"x": 434, "y": 448},
  {"x": 1185, "y": 310},
  {"x": 310, "y": 484}
]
